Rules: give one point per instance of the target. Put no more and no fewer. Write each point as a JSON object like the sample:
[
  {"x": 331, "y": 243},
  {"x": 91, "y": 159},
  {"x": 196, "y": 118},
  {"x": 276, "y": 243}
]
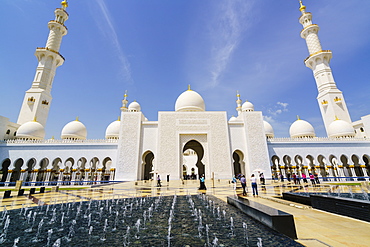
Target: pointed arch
[{"x": 199, "y": 150}]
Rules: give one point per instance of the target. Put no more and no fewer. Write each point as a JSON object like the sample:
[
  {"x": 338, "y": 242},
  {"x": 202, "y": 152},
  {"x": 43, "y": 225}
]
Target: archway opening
[
  {"x": 238, "y": 162},
  {"x": 17, "y": 170},
  {"x": 148, "y": 158},
  {"x": 194, "y": 159},
  {"x": 4, "y": 169}
]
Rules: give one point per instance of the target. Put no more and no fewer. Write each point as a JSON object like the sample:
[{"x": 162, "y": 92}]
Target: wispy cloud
[
  {"x": 106, "y": 26},
  {"x": 225, "y": 34},
  {"x": 277, "y": 109}
]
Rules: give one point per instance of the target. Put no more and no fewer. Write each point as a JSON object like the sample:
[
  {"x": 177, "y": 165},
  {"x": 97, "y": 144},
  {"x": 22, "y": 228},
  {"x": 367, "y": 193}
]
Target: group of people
[
  {"x": 314, "y": 178},
  {"x": 243, "y": 182}
]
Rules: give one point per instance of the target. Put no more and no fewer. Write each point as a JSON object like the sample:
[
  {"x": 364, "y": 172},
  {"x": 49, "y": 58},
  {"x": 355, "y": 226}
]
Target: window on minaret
[
  {"x": 362, "y": 129},
  {"x": 8, "y": 132}
]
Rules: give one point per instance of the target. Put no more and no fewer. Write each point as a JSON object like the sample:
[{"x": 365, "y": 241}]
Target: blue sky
[{"x": 155, "y": 48}]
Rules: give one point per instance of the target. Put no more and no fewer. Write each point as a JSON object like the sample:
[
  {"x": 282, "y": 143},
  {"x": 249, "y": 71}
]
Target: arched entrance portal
[
  {"x": 148, "y": 158},
  {"x": 198, "y": 149},
  {"x": 238, "y": 162}
]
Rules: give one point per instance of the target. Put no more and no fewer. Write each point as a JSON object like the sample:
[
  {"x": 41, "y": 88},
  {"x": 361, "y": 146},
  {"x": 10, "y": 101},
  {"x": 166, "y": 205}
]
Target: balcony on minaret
[
  {"x": 338, "y": 100},
  {"x": 31, "y": 100},
  {"x": 324, "y": 102}
]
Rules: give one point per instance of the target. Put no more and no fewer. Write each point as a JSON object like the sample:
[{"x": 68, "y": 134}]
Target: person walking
[
  {"x": 158, "y": 181},
  {"x": 243, "y": 182},
  {"x": 254, "y": 185}
]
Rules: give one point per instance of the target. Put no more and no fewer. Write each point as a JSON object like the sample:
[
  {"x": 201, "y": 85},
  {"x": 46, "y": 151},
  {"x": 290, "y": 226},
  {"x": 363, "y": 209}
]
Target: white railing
[
  {"x": 53, "y": 141},
  {"x": 317, "y": 139}
]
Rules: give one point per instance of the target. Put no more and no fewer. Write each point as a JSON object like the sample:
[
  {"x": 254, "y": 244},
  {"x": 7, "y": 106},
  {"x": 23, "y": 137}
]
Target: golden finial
[
  {"x": 237, "y": 94},
  {"x": 64, "y": 4},
  {"x": 119, "y": 118},
  {"x": 52, "y": 138},
  {"x": 189, "y": 89},
  {"x": 302, "y": 7},
  {"x": 77, "y": 119},
  {"x": 298, "y": 118},
  {"x": 125, "y": 95},
  {"x": 336, "y": 118},
  {"x": 35, "y": 119}
]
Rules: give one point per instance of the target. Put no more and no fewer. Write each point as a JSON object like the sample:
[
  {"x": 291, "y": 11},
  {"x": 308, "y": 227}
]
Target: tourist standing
[
  {"x": 158, "y": 181},
  {"x": 234, "y": 182},
  {"x": 317, "y": 181},
  {"x": 254, "y": 185},
  {"x": 262, "y": 178},
  {"x": 282, "y": 178},
  {"x": 202, "y": 183},
  {"x": 312, "y": 179},
  {"x": 243, "y": 181},
  {"x": 294, "y": 178},
  {"x": 304, "y": 177}
]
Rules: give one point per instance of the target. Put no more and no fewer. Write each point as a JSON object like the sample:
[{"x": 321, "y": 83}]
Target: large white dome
[
  {"x": 74, "y": 130},
  {"x": 300, "y": 129},
  {"x": 247, "y": 106},
  {"x": 31, "y": 130},
  {"x": 112, "y": 131},
  {"x": 269, "y": 131},
  {"x": 190, "y": 101},
  {"x": 134, "y": 107},
  {"x": 340, "y": 128}
]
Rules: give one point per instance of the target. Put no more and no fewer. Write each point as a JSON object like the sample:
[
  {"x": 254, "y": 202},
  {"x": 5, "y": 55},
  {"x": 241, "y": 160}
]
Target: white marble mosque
[{"x": 185, "y": 142}]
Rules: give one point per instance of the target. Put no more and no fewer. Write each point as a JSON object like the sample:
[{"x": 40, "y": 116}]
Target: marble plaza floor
[{"x": 314, "y": 227}]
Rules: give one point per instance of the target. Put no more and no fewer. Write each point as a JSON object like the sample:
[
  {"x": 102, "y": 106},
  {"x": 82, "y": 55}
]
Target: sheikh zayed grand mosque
[{"x": 187, "y": 141}]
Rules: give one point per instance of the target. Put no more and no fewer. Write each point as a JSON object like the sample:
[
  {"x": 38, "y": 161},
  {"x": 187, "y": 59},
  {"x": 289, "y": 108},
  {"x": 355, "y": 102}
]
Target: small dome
[
  {"x": 134, "y": 107},
  {"x": 247, "y": 106},
  {"x": 112, "y": 131},
  {"x": 31, "y": 130},
  {"x": 233, "y": 119},
  {"x": 269, "y": 131},
  {"x": 300, "y": 129},
  {"x": 340, "y": 128},
  {"x": 74, "y": 130},
  {"x": 190, "y": 101}
]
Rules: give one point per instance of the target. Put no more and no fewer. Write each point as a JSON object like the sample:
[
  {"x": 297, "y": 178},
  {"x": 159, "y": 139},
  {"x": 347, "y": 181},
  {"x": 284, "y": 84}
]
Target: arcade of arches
[
  {"x": 45, "y": 170},
  {"x": 331, "y": 166}
]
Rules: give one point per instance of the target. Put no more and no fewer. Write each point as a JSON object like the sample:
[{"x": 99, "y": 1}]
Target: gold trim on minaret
[
  {"x": 302, "y": 7},
  {"x": 64, "y": 4}
]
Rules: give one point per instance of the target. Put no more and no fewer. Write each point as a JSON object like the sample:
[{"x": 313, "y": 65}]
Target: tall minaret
[
  {"x": 330, "y": 98},
  {"x": 238, "y": 103},
  {"x": 37, "y": 100}
]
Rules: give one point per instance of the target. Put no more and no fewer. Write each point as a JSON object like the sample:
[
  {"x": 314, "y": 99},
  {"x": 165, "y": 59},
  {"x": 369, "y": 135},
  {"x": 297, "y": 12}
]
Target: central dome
[{"x": 190, "y": 101}]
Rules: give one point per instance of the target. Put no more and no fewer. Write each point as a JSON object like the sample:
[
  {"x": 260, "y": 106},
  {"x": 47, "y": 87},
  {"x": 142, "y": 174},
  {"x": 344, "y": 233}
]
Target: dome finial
[
  {"x": 298, "y": 118},
  {"x": 302, "y": 8},
  {"x": 336, "y": 118},
  {"x": 35, "y": 119},
  {"x": 189, "y": 89},
  {"x": 64, "y": 4},
  {"x": 125, "y": 95},
  {"x": 77, "y": 119},
  {"x": 237, "y": 94},
  {"x": 119, "y": 118}
]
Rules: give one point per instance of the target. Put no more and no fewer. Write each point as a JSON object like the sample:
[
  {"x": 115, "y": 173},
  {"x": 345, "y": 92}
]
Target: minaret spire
[
  {"x": 64, "y": 4},
  {"x": 38, "y": 98},
  {"x": 238, "y": 103},
  {"x": 330, "y": 98}
]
